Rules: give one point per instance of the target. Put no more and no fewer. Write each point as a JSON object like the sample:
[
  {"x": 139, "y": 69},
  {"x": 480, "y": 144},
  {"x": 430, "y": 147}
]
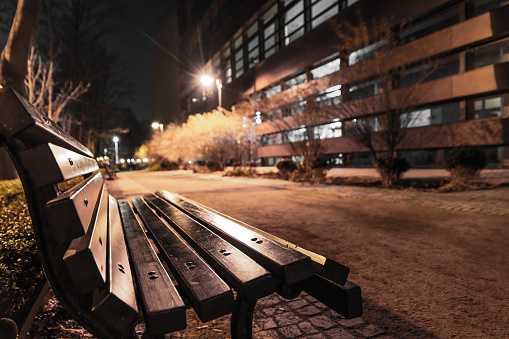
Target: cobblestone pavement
[{"x": 305, "y": 317}]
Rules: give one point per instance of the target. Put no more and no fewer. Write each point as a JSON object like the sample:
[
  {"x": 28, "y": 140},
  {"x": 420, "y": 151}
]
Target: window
[
  {"x": 295, "y": 108},
  {"x": 294, "y": 20},
  {"x": 298, "y": 134},
  {"x": 269, "y": 31},
  {"x": 364, "y": 90},
  {"x": 295, "y": 81},
  {"x": 485, "y": 108},
  {"x": 365, "y": 52},
  {"x": 227, "y": 64},
  {"x": 431, "y": 24},
  {"x": 326, "y": 68},
  {"x": 488, "y": 55},
  {"x": 253, "y": 51},
  {"x": 329, "y": 130},
  {"x": 478, "y": 7},
  {"x": 423, "y": 73},
  {"x": 322, "y": 10},
  {"x": 239, "y": 54},
  {"x": 272, "y": 91},
  {"x": 329, "y": 97},
  {"x": 416, "y": 118}
]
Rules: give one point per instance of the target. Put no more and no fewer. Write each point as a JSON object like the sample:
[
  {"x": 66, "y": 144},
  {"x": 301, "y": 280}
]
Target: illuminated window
[
  {"x": 269, "y": 31},
  {"x": 295, "y": 81},
  {"x": 364, "y": 90},
  {"x": 329, "y": 130},
  {"x": 328, "y": 97},
  {"x": 489, "y": 55},
  {"x": 239, "y": 54},
  {"x": 322, "y": 10},
  {"x": 272, "y": 91},
  {"x": 485, "y": 108},
  {"x": 253, "y": 50},
  {"x": 298, "y": 134},
  {"x": 294, "y": 20},
  {"x": 365, "y": 52},
  {"x": 326, "y": 68}
]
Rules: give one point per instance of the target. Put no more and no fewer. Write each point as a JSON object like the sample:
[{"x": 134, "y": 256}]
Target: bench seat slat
[
  {"x": 247, "y": 277},
  {"x": 70, "y": 213},
  {"x": 164, "y": 310},
  {"x": 24, "y": 121},
  {"x": 115, "y": 301},
  {"x": 50, "y": 164},
  {"x": 85, "y": 258},
  {"x": 286, "y": 264},
  {"x": 322, "y": 266},
  {"x": 209, "y": 294}
]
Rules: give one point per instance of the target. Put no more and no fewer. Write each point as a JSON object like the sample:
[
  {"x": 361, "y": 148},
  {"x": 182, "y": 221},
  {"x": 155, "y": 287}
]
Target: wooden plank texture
[
  {"x": 247, "y": 277},
  {"x": 85, "y": 258},
  {"x": 70, "y": 213},
  {"x": 208, "y": 293},
  {"x": 164, "y": 310},
  {"x": 323, "y": 266},
  {"x": 286, "y": 264},
  {"x": 50, "y": 164},
  {"x": 115, "y": 301},
  {"x": 22, "y": 120}
]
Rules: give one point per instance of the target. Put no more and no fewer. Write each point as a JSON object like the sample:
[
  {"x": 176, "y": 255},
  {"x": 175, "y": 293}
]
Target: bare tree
[
  {"x": 382, "y": 91},
  {"x": 40, "y": 88}
]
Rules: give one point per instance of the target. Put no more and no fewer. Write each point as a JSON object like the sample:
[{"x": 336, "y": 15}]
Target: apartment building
[{"x": 285, "y": 57}]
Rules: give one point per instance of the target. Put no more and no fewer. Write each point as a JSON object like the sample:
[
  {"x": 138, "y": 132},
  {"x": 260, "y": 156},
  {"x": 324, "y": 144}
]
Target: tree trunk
[{"x": 13, "y": 61}]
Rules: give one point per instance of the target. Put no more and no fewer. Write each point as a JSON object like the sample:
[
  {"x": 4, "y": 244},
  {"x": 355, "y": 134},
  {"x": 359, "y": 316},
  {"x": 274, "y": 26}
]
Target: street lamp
[
  {"x": 116, "y": 140},
  {"x": 156, "y": 125},
  {"x": 207, "y": 80}
]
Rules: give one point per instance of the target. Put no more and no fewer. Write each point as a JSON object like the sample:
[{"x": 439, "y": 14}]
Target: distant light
[
  {"x": 122, "y": 161},
  {"x": 206, "y": 80},
  {"x": 194, "y": 100},
  {"x": 116, "y": 139},
  {"x": 190, "y": 161},
  {"x": 155, "y": 125},
  {"x": 145, "y": 160},
  {"x": 138, "y": 160},
  {"x": 128, "y": 160}
]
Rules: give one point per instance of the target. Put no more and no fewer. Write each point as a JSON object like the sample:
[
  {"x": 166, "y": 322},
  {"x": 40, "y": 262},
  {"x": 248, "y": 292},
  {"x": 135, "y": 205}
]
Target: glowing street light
[
  {"x": 116, "y": 140},
  {"x": 156, "y": 125},
  {"x": 207, "y": 80}
]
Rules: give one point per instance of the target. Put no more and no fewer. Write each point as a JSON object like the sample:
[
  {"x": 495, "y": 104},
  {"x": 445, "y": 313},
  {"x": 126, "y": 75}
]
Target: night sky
[{"x": 133, "y": 41}]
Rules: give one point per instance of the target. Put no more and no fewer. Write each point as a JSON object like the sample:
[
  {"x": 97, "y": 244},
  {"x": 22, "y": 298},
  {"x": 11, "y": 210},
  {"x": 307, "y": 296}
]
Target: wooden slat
[
  {"x": 85, "y": 258},
  {"x": 164, "y": 310},
  {"x": 323, "y": 266},
  {"x": 346, "y": 300},
  {"x": 70, "y": 213},
  {"x": 22, "y": 120},
  {"x": 50, "y": 164},
  {"x": 210, "y": 296},
  {"x": 246, "y": 276},
  {"x": 115, "y": 301},
  {"x": 286, "y": 264}
]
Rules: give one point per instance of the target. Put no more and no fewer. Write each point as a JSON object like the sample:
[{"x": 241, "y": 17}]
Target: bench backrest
[{"x": 78, "y": 232}]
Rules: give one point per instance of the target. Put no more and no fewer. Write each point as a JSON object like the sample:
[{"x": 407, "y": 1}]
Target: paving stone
[
  {"x": 321, "y": 321},
  {"x": 271, "y": 334},
  {"x": 291, "y": 331},
  {"x": 338, "y": 333},
  {"x": 307, "y": 328},
  {"x": 298, "y": 303},
  {"x": 268, "y": 301},
  {"x": 352, "y": 322},
  {"x": 287, "y": 318},
  {"x": 266, "y": 323},
  {"x": 370, "y": 331},
  {"x": 309, "y": 310},
  {"x": 269, "y": 311},
  {"x": 320, "y": 305}
]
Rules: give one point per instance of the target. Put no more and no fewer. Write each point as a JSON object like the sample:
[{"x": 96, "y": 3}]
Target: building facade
[{"x": 285, "y": 57}]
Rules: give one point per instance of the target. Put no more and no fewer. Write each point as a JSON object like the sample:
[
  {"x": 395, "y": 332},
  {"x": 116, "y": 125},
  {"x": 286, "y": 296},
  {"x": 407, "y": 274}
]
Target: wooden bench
[{"x": 113, "y": 263}]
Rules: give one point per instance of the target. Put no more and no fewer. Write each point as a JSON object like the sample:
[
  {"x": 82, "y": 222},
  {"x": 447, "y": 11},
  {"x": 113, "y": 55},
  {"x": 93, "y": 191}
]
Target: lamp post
[
  {"x": 116, "y": 140},
  {"x": 207, "y": 80},
  {"x": 156, "y": 125}
]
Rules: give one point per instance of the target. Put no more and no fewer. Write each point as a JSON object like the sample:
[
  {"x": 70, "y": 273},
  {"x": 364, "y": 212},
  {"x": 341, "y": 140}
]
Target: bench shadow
[{"x": 392, "y": 323}]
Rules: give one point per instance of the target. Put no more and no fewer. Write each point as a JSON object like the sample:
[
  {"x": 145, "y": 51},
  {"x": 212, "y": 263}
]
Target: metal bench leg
[{"x": 241, "y": 325}]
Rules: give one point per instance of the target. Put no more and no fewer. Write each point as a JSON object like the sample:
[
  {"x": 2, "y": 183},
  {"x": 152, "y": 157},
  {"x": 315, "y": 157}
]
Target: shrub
[
  {"x": 464, "y": 163},
  {"x": 285, "y": 167},
  {"x": 213, "y": 166},
  {"x": 21, "y": 273},
  {"x": 391, "y": 167}
]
